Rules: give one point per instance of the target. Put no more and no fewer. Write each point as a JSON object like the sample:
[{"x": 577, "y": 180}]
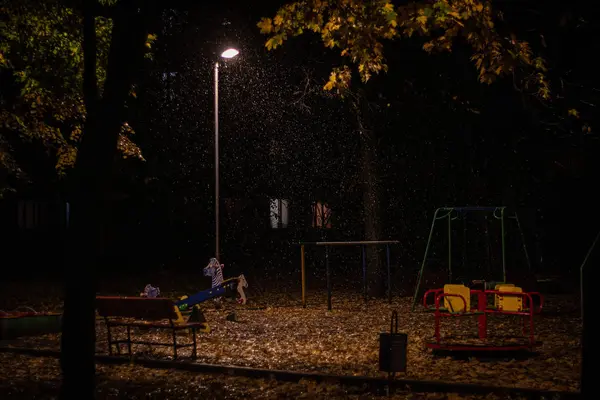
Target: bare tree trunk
[
  {"x": 372, "y": 218},
  {"x": 371, "y": 203},
  {"x": 79, "y": 331},
  {"x": 91, "y": 185}
]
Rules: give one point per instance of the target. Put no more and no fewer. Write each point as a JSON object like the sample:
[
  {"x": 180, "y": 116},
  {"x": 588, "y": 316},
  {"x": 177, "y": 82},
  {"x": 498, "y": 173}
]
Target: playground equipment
[
  {"x": 150, "y": 291},
  {"x": 25, "y": 321},
  {"x": 459, "y": 213},
  {"x": 189, "y": 305},
  {"x": 219, "y": 288},
  {"x": 454, "y": 301},
  {"x": 364, "y": 265},
  {"x": 227, "y": 286}
]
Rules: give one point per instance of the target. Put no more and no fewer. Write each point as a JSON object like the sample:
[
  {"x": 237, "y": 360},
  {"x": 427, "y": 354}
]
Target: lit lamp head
[{"x": 230, "y": 53}]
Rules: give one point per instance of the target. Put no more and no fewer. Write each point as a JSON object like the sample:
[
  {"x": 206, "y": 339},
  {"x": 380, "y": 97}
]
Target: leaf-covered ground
[
  {"x": 27, "y": 377},
  {"x": 274, "y": 331}
]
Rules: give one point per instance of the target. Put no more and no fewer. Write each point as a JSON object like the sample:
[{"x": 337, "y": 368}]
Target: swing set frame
[{"x": 450, "y": 214}]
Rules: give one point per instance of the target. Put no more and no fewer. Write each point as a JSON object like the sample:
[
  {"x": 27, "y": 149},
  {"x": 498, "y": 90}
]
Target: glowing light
[{"x": 230, "y": 53}]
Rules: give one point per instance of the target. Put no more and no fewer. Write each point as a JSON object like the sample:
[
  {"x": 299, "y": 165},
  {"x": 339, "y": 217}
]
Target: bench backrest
[{"x": 152, "y": 309}]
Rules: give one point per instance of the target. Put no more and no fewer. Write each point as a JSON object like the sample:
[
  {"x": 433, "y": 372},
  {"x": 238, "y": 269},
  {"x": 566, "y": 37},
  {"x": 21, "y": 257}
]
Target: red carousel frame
[{"x": 527, "y": 312}]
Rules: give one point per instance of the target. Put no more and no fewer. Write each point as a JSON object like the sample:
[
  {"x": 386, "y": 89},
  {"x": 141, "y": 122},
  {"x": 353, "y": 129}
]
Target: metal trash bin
[{"x": 393, "y": 348}]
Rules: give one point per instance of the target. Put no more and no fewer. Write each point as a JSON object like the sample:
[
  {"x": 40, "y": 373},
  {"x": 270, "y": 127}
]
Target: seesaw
[
  {"x": 191, "y": 303},
  {"x": 225, "y": 288}
]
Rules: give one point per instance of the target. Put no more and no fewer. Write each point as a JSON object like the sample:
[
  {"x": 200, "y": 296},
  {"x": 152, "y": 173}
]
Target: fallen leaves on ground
[
  {"x": 24, "y": 376},
  {"x": 275, "y": 332}
]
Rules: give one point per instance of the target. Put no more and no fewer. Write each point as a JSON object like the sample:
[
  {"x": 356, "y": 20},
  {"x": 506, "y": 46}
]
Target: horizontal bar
[
  {"x": 471, "y": 208},
  {"x": 373, "y": 384},
  {"x": 356, "y": 243}
]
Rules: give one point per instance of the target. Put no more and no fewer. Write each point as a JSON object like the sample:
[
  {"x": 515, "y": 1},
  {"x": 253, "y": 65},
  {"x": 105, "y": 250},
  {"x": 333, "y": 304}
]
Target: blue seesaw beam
[{"x": 207, "y": 294}]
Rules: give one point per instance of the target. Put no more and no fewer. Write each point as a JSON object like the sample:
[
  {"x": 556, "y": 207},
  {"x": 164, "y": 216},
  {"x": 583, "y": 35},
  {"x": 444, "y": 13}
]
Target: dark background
[{"x": 277, "y": 142}]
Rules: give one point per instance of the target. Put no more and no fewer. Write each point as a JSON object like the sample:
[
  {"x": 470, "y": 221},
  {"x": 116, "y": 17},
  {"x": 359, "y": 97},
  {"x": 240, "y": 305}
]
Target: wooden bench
[{"x": 143, "y": 312}]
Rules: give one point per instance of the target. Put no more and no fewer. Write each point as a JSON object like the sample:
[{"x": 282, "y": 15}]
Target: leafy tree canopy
[
  {"x": 360, "y": 30},
  {"x": 41, "y": 59}
]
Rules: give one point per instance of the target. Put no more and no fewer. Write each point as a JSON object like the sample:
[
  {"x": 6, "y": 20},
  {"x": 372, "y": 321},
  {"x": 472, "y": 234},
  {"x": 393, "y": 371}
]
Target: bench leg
[
  {"x": 129, "y": 339},
  {"x": 174, "y": 344},
  {"x": 194, "y": 351}
]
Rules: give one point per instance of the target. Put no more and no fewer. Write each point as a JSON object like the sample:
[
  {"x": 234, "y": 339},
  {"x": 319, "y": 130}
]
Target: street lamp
[{"x": 229, "y": 53}]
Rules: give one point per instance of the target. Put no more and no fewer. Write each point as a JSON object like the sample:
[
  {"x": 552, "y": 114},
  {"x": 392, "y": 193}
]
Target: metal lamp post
[{"x": 229, "y": 53}]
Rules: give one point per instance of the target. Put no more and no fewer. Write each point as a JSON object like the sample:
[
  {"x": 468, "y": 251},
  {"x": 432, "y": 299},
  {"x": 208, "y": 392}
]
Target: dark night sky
[
  {"x": 432, "y": 151},
  {"x": 432, "y": 155}
]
